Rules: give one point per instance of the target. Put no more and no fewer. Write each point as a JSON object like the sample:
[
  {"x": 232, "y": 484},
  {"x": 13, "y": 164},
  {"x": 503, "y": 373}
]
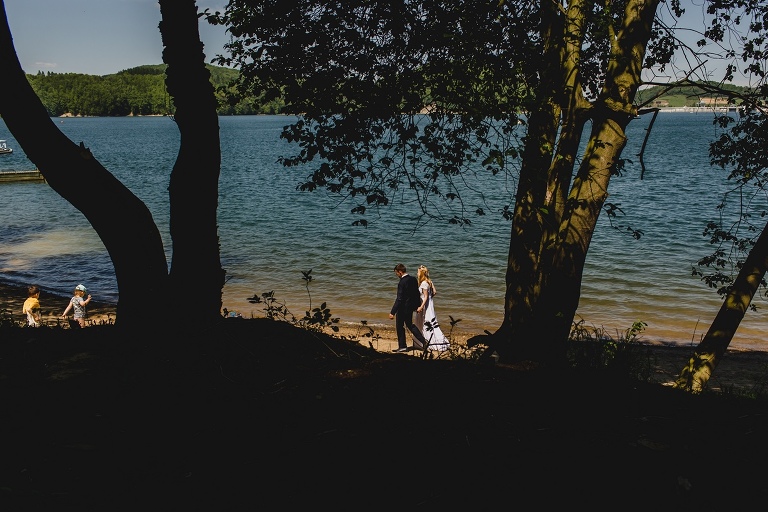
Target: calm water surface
[{"x": 270, "y": 233}]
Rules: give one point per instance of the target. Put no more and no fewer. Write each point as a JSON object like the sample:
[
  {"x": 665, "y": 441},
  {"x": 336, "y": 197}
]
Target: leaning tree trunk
[
  {"x": 694, "y": 376},
  {"x": 121, "y": 220},
  {"x": 196, "y": 273}
]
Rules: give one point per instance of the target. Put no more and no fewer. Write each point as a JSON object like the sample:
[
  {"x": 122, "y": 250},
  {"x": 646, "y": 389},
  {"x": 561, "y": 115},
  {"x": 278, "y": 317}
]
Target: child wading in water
[{"x": 78, "y": 303}]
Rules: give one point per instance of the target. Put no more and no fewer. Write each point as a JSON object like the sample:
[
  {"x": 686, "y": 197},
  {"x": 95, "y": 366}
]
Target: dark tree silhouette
[{"x": 194, "y": 187}]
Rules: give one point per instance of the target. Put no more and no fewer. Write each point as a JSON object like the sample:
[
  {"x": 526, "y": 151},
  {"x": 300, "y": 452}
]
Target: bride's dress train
[{"x": 427, "y": 322}]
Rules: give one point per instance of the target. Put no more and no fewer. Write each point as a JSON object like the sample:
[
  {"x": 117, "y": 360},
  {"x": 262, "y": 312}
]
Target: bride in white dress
[{"x": 425, "y": 318}]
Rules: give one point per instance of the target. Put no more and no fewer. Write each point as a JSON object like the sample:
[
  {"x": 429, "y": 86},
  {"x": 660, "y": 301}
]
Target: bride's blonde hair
[{"x": 423, "y": 275}]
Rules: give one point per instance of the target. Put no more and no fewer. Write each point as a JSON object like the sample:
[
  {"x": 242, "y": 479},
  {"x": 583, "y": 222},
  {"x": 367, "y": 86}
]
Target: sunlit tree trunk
[
  {"x": 532, "y": 217},
  {"x": 564, "y": 126},
  {"x": 121, "y": 220},
  {"x": 708, "y": 354},
  {"x": 610, "y": 117},
  {"x": 196, "y": 275},
  {"x": 539, "y": 308}
]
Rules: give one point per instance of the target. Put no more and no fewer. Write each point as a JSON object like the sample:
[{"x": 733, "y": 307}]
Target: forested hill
[
  {"x": 687, "y": 96},
  {"x": 136, "y": 91},
  {"x": 141, "y": 91}
]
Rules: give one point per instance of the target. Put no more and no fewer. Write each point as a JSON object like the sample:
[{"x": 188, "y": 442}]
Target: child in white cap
[{"x": 78, "y": 303}]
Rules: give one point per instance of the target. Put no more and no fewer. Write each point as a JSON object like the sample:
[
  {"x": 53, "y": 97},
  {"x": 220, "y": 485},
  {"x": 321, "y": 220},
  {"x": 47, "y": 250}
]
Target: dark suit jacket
[{"x": 408, "y": 297}]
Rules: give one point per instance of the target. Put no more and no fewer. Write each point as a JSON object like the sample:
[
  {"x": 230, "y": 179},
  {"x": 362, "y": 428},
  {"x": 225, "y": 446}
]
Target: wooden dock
[{"x": 18, "y": 176}]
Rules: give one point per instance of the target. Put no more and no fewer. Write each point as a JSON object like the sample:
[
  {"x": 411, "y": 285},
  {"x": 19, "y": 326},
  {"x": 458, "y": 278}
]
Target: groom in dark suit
[{"x": 408, "y": 299}]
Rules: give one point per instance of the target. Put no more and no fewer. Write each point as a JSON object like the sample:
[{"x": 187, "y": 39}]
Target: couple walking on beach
[{"x": 416, "y": 295}]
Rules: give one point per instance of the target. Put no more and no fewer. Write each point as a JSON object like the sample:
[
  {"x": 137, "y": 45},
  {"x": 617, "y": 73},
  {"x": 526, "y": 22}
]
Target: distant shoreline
[{"x": 698, "y": 110}]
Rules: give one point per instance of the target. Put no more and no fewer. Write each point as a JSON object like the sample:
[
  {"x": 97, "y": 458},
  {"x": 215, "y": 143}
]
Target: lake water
[{"x": 270, "y": 233}]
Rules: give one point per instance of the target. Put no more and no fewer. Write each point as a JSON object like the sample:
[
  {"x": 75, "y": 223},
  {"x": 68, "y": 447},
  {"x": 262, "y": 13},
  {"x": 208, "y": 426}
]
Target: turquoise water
[{"x": 270, "y": 232}]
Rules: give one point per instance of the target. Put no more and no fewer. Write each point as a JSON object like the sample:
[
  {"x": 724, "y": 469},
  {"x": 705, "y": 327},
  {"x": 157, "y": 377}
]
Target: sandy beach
[
  {"x": 52, "y": 306},
  {"x": 740, "y": 369}
]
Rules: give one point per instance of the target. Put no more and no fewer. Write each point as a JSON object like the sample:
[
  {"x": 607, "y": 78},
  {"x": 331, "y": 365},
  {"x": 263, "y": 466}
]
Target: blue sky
[
  {"x": 101, "y": 37},
  {"x": 96, "y": 37}
]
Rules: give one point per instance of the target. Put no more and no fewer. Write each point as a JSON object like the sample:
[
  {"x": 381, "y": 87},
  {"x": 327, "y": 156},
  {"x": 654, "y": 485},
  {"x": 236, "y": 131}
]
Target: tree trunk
[
  {"x": 196, "y": 274},
  {"x": 539, "y": 309},
  {"x": 610, "y": 118},
  {"x": 531, "y": 217},
  {"x": 121, "y": 220},
  {"x": 706, "y": 357}
]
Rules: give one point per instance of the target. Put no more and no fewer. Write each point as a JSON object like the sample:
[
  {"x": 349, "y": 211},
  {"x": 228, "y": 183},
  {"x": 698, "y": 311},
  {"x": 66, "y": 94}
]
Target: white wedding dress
[{"x": 427, "y": 323}]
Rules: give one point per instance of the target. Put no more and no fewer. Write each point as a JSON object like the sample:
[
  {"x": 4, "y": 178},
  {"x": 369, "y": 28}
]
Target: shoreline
[
  {"x": 52, "y": 305},
  {"x": 739, "y": 368},
  {"x": 12, "y": 296}
]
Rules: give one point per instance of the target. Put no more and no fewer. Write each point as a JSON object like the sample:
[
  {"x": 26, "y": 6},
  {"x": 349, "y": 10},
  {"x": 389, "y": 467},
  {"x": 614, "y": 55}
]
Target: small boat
[{"x": 4, "y": 149}]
